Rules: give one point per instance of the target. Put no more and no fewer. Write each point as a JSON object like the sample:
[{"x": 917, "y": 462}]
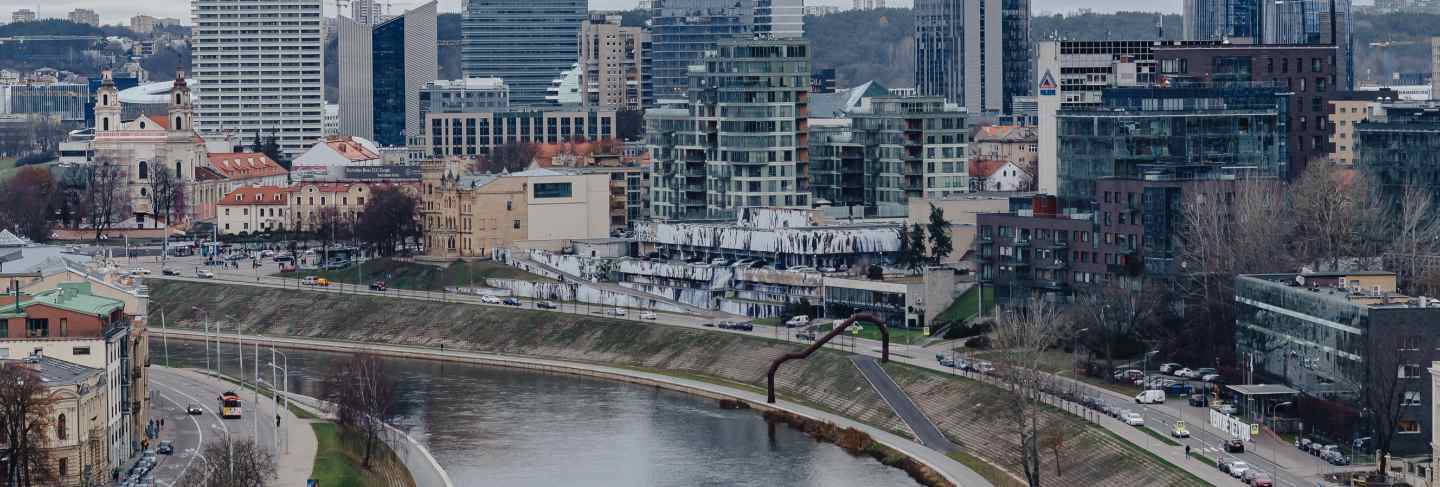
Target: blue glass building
[
  {"x": 382, "y": 70},
  {"x": 527, "y": 43}
]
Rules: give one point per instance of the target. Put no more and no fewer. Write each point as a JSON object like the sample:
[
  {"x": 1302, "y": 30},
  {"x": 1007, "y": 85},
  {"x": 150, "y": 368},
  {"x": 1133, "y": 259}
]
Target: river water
[{"x": 504, "y": 427}]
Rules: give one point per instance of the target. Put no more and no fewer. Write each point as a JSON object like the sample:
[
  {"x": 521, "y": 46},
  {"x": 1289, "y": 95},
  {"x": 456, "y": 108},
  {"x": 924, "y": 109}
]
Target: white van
[
  {"x": 798, "y": 320},
  {"x": 1151, "y": 396}
]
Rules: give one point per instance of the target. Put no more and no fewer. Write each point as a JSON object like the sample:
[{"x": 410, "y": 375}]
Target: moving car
[
  {"x": 165, "y": 448},
  {"x": 1132, "y": 418},
  {"x": 488, "y": 299},
  {"x": 510, "y": 302},
  {"x": 1225, "y": 408},
  {"x": 647, "y": 315},
  {"x": 1171, "y": 367},
  {"x": 139, "y": 271},
  {"x": 283, "y": 258},
  {"x": 1179, "y": 430},
  {"x": 984, "y": 367},
  {"x": 170, "y": 272},
  {"x": 1234, "y": 445},
  {"x": 1129, "y": 375},
  {"x": 1210, "y": 377},
  {"x": 805, "y": 336},
  {"x": 1184, "y": 372},
  {"x": 204, "y": 274},
  {"x": 377, "y": 286},
  {"x": 193, "y": 410},
  {"x": 1198, "y": 400},
  {"x": 316, "y": 281},
  {"x": 1151, "y": 396},
  {"x": 1261, "y": 480},
  {"x": 746, "y": 326},
  {"x": 617, "y": 312},
  {"x": 798, "y": 320},
  {"x": 1238, "y": 469},
  {"x": 546, "y": 305}
]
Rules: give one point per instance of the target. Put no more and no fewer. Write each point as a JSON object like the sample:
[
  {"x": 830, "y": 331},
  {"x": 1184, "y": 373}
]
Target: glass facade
[
  {"x": 1214, "y": 20},
  {"x": 1187, "y": 132},
  {"x": 388, "y": 83},
  {"x": 527, "y": 43},
  {"x": 1401, "y": 148},
  {"x": 682, "y": 30}
]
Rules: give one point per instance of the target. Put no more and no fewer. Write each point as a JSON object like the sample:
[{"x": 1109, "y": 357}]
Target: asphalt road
[
  {"x": 925, "y": 430},
  {"x": 177, "y": 390}
]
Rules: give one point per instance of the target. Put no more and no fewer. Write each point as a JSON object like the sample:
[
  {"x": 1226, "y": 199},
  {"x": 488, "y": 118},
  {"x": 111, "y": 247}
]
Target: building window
[
  {"x": 552, "y": 190},
  {"x": 1413, "y": 398},
  {"x": 64, "y": 464},
  {"x": 1411, "y": 371},
  {"x": 1407, "y": 427},
  {"x": 64, "y": 327},
  {"x": 144, "y": 170},
  {"x": 37, "y": 327},
  {"x": 517, "y": 224},
  {"x": 61, "y": 434},
  {"x": 80, "y": 351}
]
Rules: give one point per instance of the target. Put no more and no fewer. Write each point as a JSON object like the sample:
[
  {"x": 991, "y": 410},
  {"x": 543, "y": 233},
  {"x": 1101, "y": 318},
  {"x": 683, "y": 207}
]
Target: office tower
[
  {"x": 973, "y": 53},
  {"x": 365, "y": 12},
  {"x": 85, "y": 16},
  {"x": 740, "y": 142},
  {"x": 22, "y": 15},
  {"x": 527, "y": 43},
  {"x": 383, "y": 67},
  {"x": 615, "y": 64},
  {"x": 1216, "y": 20},
  {"x": 682, "y": 30},
  {"x": 1312, "y": 22},
  {"x": 261, "y": 67}
]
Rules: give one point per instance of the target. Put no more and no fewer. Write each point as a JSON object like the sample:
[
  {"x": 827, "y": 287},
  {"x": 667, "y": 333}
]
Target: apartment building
[
  {"x": 253, "y": 210},
  {"x": 615, "y": 64}
]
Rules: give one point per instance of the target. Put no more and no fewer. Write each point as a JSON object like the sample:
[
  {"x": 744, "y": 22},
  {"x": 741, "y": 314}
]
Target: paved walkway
[
  {"x": 924, "y": 430},
  {"x": 956, "y": 472}
]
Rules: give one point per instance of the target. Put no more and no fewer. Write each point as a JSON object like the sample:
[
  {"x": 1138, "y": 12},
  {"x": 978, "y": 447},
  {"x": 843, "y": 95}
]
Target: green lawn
[
  {"x": 964, "y": 307},
  {"x": 872, "y": 332},
  {"x": 421, "y": 277},
  {"x": 338, "y": 457},
  {"x": 995, "y": 475}
]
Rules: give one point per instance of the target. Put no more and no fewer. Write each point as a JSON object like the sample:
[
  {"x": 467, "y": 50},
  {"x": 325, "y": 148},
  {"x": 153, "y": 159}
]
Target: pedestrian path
[
  {"x": 924, "y": 430},
  {"x": 295, "y": 463}
]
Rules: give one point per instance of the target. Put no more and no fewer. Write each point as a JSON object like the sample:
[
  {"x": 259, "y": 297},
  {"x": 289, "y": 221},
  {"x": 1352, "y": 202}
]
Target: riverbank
[{"x": 827, "y": 382}]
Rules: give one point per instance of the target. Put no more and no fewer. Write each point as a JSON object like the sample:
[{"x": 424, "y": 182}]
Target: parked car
[
  {"x": 510, "y": 302},
  {"x": 1129, "y": 375},
  {"x": 1198, "y": 400},
  {"x": 1171, "y": 367},
  {"x": 745, "y": 326},
  {"x": 1180, "y": 389},
  {"x": 1302, "y": 444},
  {"x": 1262, "y": 480},
  {"x": 1179, "y": 430},
  {"x": 1184, "y": 372},
  {"x": 1110, "y": 410},
  {"x": 336, "y": 264},
  {"x": 1225, "y": 408},
  {"x": 488, "y": 299},
  {"x": 984, "y": 367},
  {"x": 1150, "y": 396},
  {"x": 139, "y": 271},
  {"x": 378, "y": 286},
  {"x": 169, "y": 272},
  {"x": 947, "y": 362},
  {"x": 315, "y": 281},
  {"x": 617, "y": 311},
  {"x": 805, "y": 336},
  {"x": 1238, "y": 469},
  {"x": 283, "y": 258},
  {"x": 547, "y": 305},
  {"x": 1200, "y": 372},
  {"x": 1210, "y": 377},
  {"x": 204, "y": 274},
  {"x": 1234, "y": 445},
  {"x": 648, "y": 315},
  {"x": 1132, "y": 418}
]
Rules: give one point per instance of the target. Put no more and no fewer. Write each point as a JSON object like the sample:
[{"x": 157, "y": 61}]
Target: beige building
[
  {"x": 960, "y": 211},
  {"x": 473, "y": 134},
  {"x": 146, "y": 144},
  {"x": 468, "y": 215},
  {"x": 1010, "y": 143},
  {"x": 612, "y": 64},
  {"x": 348, "y": 198},
  {"x": 254, "y": 209},
  {"x": 76, "y": 443},
  {"x": 1346, "y": 110}
]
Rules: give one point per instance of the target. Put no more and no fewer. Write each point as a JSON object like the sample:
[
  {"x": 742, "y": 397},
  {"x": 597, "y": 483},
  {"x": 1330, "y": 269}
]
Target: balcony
[
  {"x": 1051, "y": 285},
  {"x": 1053, "y": 244},
  {"x": 1050, "y": 263}
]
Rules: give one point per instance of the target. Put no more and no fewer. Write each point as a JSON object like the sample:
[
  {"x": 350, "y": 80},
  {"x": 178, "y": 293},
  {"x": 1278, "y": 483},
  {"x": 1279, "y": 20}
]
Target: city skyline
[{"x": 113, "y": 13}]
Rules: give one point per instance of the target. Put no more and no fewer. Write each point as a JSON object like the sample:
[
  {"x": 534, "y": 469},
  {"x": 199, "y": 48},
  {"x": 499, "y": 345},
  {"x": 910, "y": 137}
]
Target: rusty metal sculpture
[{"x": 820, "y": 342}]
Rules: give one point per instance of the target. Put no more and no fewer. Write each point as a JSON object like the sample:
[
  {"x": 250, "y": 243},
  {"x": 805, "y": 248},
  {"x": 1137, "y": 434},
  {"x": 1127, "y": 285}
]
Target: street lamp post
[{"x": 284, "y": 382}]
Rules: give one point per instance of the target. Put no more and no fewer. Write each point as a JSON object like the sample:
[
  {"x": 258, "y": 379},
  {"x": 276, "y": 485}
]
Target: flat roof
[{"x": 1263, "y": 390}]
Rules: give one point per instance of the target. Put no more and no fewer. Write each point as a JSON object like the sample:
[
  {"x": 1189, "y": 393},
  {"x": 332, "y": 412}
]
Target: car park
[{"x": 1234, "y": 445}]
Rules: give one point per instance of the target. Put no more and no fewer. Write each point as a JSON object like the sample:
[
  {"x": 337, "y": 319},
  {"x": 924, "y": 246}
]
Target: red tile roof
[
  {"x": 350, "y": 149},
  {"x": 256, "y": 195},
  {"x": 161, "y": 121},
  {"x": 245, "y": 165},
  {"x": 984, "y": 168}
]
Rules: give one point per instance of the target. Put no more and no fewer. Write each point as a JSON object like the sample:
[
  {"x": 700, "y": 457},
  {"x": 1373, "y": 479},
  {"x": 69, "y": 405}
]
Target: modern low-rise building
[
  {"x": 1318, "y": 332},
  {"x": 475, "y": 134},
  {"x": 1346, "y": 111},
  {"x": 1399, "y": 145},
  {"x": 329, "y": 156},
  {"x": 469, "y": 215},
  {"x": 1037, "y": 251},
  {"x": 466, "y": 95}
]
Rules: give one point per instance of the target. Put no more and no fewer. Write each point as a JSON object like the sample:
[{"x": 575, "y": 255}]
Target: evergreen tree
[
  {"x": 940, "y": 245},
  {"x": 916, "y": 259}
]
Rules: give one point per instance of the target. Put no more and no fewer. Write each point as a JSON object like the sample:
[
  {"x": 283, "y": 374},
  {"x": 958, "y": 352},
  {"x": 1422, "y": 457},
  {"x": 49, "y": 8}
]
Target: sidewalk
[{"x": 295, "y": 465}]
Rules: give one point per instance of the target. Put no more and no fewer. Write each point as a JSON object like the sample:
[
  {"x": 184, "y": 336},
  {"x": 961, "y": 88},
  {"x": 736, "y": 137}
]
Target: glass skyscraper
[
  {"x": 975, "y": 54},
  {"x": 1277, "y": 22},
  {"x": 382, "y": 70},
  {"x": 682, "y": 30},
  {"x": 527, "y": 43}
]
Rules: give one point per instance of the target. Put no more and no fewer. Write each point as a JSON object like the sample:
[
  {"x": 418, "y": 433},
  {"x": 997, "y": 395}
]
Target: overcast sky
[{"x": 112, "y": 11}]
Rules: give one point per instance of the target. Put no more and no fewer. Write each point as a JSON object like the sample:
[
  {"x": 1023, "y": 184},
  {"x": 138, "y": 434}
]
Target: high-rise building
[
  {"x": 683, "y": 30},
  {"x": 527, "y": 43},
  {"x": 868, "y": 4},
  {"x": 85, "y": 16},
  {"x": 22, "y": 15},
  {"x": 740, "y": 139},
  {"x": 973, "y": 53},
  {"x": 261, "y": 67},
  {"x": 365, "y": 12},
  {"x": 142, "y": 24},
  {"x": 615, "y": 66},
  {"x": 382, "y": 69},
  {"x": 464, "y": 95},
  {"x": 1216, "y": 20}
]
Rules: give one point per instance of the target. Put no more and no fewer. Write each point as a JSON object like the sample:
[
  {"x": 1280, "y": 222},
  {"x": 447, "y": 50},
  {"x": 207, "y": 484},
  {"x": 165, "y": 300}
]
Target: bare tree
[
  {"x": 232, "y": 463},
  {"x": 25, "y": 202},
  {"x": 1022, "y": 334},
  {"x": 510, "y": 157},
  {"x": 1414, "y": 229},
  {"x": 330, "y": 226},
  {"x": 1389, "y": 379},
  {"x": 1121, "y": 309},
  {"x": 165, "y": 194},
  {"x": 25, "y": 407},
  {"x": 1227, "y": 228},
  {"x": 362, "y": 397},
  {"x": 390, "y": 219},
  {"x": 105, "y": 199},
  {"x": 1328, "y": 204}
]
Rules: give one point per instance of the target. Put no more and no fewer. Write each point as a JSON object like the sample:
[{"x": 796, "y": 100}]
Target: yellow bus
[{"x": 230, "y": 405}]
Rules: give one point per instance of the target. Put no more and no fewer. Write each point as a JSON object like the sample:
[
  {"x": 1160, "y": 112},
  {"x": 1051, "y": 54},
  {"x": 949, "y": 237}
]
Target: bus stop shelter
[{"x": 1270, "y": 404}]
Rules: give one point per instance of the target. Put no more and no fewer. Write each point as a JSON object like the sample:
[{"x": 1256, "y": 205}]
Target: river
[{"x": 507, "y": 427}]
